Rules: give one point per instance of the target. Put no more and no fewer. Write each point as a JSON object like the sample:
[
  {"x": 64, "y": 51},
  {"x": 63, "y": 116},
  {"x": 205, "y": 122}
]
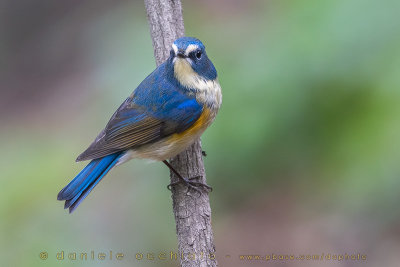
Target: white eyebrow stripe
[
  {"x": 175, "y": 48},
  {"x": 191, "y": 48}
]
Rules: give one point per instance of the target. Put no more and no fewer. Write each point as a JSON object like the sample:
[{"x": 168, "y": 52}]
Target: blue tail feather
[{"x": 86, "y": 180}]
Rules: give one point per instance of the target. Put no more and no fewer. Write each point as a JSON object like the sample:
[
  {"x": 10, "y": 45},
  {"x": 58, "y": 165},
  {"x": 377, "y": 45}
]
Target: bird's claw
[{"x": 191, "y": 185}]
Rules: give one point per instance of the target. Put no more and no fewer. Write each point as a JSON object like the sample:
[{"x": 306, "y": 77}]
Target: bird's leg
[
  {"x": 187, "y": 182},
  {"x": 204, "y": 153}
]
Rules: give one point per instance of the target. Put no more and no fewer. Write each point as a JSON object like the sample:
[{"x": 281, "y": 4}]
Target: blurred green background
[{"x": 304, "y": 156}]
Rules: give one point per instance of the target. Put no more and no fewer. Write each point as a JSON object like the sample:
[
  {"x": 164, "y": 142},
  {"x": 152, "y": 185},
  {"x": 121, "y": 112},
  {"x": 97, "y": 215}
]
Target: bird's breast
[
  {"x": 194, "y": 131},
  {"x": 209, "y": 94},
  {"x": 175, "y": 143}
]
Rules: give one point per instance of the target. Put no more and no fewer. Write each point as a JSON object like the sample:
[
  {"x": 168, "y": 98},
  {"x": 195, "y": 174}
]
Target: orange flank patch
[{"x": 200, "y": 125}]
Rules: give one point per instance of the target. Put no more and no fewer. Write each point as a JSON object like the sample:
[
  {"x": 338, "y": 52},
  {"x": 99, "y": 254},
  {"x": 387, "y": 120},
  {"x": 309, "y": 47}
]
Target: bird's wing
[{"x": 142, "y": 119}]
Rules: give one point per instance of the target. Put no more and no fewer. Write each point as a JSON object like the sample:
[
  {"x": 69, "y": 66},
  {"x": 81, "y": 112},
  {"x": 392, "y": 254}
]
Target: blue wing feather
[{"x": 158, "y": 107}]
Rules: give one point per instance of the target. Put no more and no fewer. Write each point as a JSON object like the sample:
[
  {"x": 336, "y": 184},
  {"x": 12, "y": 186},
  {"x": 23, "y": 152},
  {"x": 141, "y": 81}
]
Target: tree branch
[{"x": 192, "y": 210}]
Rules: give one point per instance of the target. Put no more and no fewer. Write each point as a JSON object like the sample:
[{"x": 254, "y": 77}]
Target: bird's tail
[{"x": 86, "y": 180}]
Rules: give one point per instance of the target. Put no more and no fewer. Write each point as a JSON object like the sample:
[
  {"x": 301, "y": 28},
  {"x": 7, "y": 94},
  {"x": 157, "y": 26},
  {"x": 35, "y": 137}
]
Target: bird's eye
[{"x": 198, "y": 54}]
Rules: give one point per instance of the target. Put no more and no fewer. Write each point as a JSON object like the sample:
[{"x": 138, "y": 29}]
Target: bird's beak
[{"x": 181, "y": 54}]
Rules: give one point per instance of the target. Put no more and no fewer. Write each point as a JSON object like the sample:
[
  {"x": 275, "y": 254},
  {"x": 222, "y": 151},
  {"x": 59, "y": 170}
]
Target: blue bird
[{"x": 165, "y": 114}]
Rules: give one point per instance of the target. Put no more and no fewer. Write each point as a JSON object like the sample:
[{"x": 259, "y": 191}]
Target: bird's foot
[{"x": 196, "y": 186}]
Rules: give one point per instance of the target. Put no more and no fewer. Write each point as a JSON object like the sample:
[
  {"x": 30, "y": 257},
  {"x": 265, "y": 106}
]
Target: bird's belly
[{"x": 173, "y": 144}]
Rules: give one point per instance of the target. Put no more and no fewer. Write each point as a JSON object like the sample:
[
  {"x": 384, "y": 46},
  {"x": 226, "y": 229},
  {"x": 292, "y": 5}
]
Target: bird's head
[{"x": 190, "y": 61}]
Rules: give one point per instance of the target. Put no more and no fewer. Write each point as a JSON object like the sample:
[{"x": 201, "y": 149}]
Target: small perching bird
[{"x": 165, "y": 114}]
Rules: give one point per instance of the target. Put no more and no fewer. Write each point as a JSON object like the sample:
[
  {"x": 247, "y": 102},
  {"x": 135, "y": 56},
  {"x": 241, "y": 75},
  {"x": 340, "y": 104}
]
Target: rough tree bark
[{"x": 192, "y": 210}]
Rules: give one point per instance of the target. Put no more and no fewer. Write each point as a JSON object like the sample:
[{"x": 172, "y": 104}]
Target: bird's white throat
[{"x": 207, "y": 91}]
